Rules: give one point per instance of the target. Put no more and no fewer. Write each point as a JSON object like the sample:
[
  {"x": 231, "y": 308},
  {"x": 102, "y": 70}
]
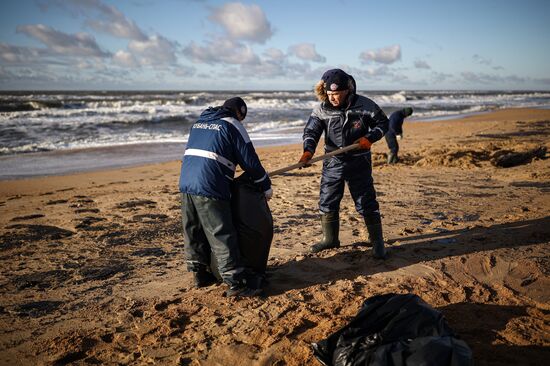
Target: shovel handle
[{"x": 318, "y": 158}]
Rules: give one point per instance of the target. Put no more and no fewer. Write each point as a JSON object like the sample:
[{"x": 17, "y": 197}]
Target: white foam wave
[{"x": 275, "y": 125}]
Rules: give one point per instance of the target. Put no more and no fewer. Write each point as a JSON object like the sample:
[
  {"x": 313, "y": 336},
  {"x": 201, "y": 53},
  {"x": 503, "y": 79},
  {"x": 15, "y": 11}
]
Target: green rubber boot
[
  {"x": 376, "y": 238},
  {"x": 330, "y": 222}
]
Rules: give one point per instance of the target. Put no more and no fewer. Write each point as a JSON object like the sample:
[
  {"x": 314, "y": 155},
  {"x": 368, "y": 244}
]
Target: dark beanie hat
[
  {"x": 408, "y": 111},
  {"x": 336, "y": 79},
  {"x": 235, "y": 105}
]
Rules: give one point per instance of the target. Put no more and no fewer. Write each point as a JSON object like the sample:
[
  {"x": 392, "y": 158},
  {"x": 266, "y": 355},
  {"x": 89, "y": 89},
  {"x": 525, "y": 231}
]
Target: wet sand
[{"x": 93, "y": 268}]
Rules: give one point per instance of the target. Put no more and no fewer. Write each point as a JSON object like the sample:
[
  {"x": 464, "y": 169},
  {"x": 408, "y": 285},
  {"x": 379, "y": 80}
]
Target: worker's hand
[
  {"x": 364, "y": 143},
  {"x": 268, "y": 194},
  {"x": 306, "y": 157},
  {"x": 399, "y": 137}
]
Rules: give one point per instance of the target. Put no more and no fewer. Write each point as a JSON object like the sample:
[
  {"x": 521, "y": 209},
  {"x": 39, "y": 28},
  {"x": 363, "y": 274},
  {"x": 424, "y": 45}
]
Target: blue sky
[{"x": 249, "y": 45}]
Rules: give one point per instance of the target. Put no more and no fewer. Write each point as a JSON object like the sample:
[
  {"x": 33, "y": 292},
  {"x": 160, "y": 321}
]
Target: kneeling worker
[{"x": 217, "y": 143}]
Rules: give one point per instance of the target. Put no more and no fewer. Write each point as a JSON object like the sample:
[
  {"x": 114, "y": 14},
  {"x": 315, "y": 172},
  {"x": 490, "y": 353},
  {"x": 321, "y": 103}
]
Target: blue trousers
[
  {"x": 356, "y": 171},
  {"x": 391, "y": 140}
]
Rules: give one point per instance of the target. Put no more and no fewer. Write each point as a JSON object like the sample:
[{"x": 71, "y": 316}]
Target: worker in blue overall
[
  {"x": 395, "y": 132},
  {"x": 345, "y": 118},
  {"x": 217, "y": 143}
]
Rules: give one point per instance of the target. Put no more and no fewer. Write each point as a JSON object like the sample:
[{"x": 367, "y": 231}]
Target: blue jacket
[
  {"x": 342, "y": 127},
  {"x": 396, "y": 121},
  {"x": 217, "y": 143}
]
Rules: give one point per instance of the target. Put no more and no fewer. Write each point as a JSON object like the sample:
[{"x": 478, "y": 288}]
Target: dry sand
[{"x": 93, "y": 268}]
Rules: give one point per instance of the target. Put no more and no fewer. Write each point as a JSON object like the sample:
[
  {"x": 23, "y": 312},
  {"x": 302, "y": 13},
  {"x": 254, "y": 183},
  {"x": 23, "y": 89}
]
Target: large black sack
[
  {"x": 254, "y": 224},
  {"x": 394, "y": 330}
]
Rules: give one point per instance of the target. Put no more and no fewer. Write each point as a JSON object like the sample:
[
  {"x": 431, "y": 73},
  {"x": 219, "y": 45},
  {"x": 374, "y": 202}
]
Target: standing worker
[
  {"x": 217, "y": 143},
  {"x": 395, "y": 132},
  {"x": 345, "y": 118}
]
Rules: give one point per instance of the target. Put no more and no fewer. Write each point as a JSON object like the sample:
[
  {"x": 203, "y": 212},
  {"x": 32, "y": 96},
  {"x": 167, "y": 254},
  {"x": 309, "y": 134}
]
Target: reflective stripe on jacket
[
  {"x": 217, "y": 144},
  {"x": 342, "y": 127}
]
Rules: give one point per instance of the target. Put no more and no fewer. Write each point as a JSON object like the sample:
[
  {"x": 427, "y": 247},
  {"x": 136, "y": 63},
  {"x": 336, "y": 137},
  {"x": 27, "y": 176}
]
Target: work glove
[
  {"x": 399, "y": 137},
  {"x": 364, "y": 143},
  {"x": 306, "y": 157},
  {"x": 268, "y": 194}
]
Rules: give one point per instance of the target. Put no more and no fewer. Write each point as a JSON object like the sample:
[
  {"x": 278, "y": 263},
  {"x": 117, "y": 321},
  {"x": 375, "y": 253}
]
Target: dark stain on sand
[
  {"x": 135, "y": 203},
  {"x": 37, "y": 308},
  {"x": 25, "y": 233},
  {"x": 41, "y": 280}
]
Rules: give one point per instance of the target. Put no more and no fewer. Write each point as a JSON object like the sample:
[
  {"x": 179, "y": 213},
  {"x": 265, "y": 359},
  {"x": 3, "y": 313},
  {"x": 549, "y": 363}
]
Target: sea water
[{"x": 44, "y": 133}]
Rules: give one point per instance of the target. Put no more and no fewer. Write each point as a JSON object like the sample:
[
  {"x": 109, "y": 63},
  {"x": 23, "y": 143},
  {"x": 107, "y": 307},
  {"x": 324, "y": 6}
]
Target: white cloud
[
  {"x": 274, "y": 54},
  {"x": 184, "y": 71},
  {"x": 421, "y": 64},
  {"x": 277, "y": 69},
  {"x": 481, "y": 60},
  {"x": 485, "y": 61},
  {"x": 243, "y": 22},
  {"x": 118, "y": 28},
  {"x": 306, "y": 51},
  {"x": 110, "y": 19},
  {"x": 11, "y": 54},
  {"x": 79, "y": 44},
  {"x": 222, "y": 50},
  {"x": 386, "y": 55},
  {"x": 155, "y": 50},
  {"x": 439, "y": 77},
  {"x": 125, "y": 59},
  {"x": 484, "y": 78}
]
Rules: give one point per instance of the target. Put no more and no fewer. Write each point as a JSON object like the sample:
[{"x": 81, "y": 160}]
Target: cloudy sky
[{"x": 277, "y": 44}]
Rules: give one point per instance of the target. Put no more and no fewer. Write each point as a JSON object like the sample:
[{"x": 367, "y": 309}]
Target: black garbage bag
[
  {"x": 254, "y": 224},
  {"x": 394, "y": 330}
]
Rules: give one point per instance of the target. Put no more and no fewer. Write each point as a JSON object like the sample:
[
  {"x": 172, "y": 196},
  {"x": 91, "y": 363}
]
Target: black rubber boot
[
  {"x": 330, "y": 222},
  {"x": 203, "y": 278},
  {"x": 376, "y": 238}
]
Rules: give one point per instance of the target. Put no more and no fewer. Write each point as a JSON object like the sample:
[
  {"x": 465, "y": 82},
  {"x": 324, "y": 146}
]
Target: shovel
[{"x": 322, "y": 157}]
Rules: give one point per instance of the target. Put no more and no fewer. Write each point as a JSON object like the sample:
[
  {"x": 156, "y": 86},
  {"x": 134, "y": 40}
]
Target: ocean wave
[
  {"x": 275, "y": 125},
  {"x": 120, "y": 140},
  {"x": 33, "y": 122}
]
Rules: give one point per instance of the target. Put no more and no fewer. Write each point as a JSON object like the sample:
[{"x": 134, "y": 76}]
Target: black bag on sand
[
  {"x": 254, "y": 224},
  {"x": 394, "y": 330}
]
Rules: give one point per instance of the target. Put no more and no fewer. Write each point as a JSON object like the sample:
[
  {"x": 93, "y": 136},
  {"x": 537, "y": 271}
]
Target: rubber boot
[
  {"x": 376, "y": 238},
  {"x": 392, "y": 158},
  {"x": 203, "y": 278},
  {"x": 330, "y": 222}
]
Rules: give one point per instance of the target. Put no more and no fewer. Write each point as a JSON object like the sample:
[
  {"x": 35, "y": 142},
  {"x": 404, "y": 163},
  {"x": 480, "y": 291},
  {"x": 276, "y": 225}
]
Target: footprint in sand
[
  {"x": 81, "y": 201},
  {"x": 149, "y": 252},
  {"x": 27, "y": 233},
  {"x": 114, "y": 238},
  {"x": 86, "y": 210},
  {"x": 37, "y": 308},
  {"x": 87, "y": 222},
  {"x": 134, "y": 204},
  {"x": 149, "y": 218},
  {"x": 28, "y": 217},
  {"x": 41, "y": 280},
  {"x": 56, "y": 202},
  {"x": 65, "y": 189},
  {"x": 101, "y": 273},
  {"x": 16, "y": 197}
]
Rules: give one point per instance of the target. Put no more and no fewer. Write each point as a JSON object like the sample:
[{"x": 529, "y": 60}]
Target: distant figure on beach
[
  {"x": 395, "y": 132},
  {"x": 217, "y": 143},
  {"x": 345, "y": 118}
]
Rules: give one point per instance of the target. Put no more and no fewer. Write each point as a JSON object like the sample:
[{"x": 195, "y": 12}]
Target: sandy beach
[{"x": 93, "y": 265}]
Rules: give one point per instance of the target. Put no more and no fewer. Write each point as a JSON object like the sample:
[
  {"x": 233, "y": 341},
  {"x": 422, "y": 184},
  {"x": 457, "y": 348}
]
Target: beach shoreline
[
  {"x": 94, "y": 264},
  {"x": 70, "y": 161}
]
